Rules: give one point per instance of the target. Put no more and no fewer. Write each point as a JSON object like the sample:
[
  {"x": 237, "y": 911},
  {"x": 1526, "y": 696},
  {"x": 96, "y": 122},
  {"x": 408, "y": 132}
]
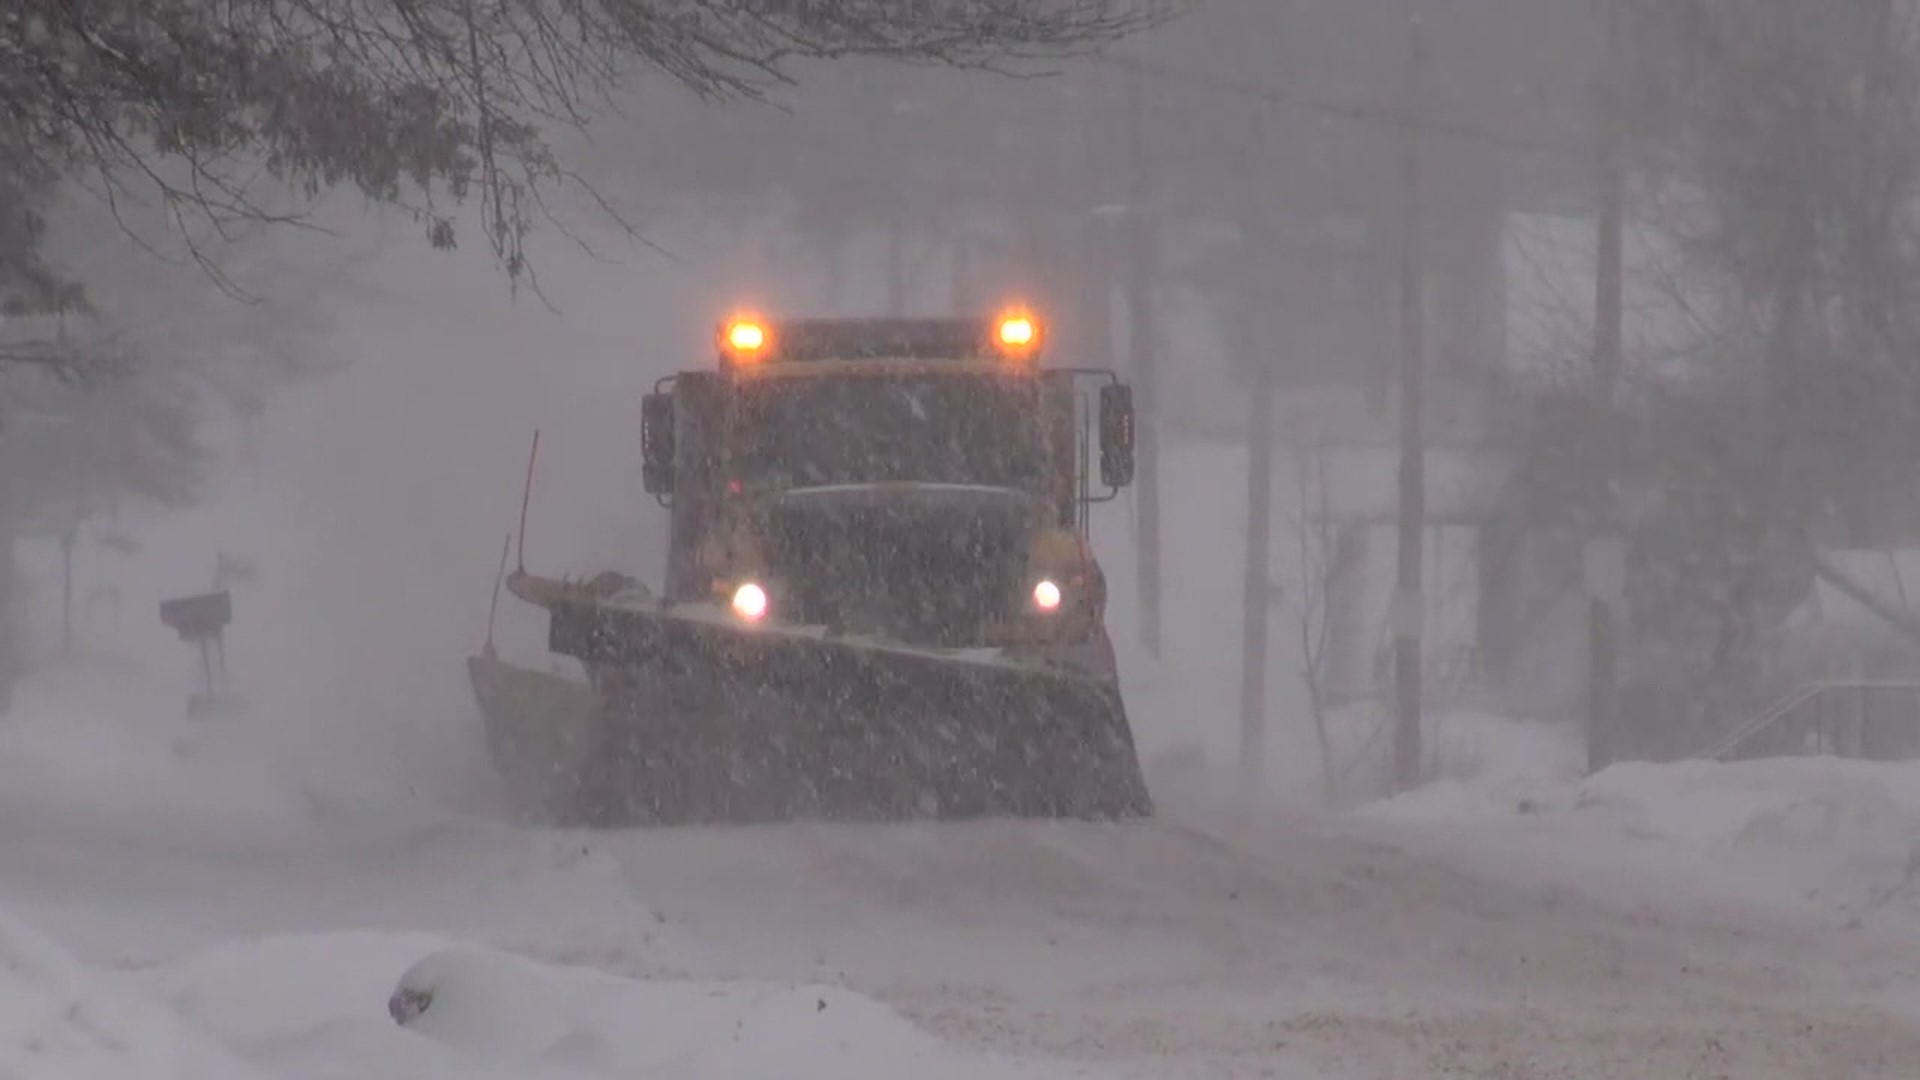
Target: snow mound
[
  {"x": 1478, "y": 764},
  {"x": 1844, "y": 834},
  {"x": 61, "y": 1021},
  {"x": 1848, "y": 831},
  {"x": 388, "y": 1006},
  {"x": 509, "y": 1008},
  {"x": 314, "y": 1006}
]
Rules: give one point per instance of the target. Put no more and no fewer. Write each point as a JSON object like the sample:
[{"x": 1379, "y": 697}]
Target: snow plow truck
[{"x": 879, "y": 603}]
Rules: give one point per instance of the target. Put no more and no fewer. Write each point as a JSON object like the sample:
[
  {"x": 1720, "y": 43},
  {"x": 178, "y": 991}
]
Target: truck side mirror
[
  {"x": 656, "y": 443},
  {"x": 1116, "y": 435}
]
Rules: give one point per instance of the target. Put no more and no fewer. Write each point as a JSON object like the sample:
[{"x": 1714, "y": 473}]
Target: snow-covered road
[
  {"x": 242, "y": 902},
  {"x": 275, "y": 920}
]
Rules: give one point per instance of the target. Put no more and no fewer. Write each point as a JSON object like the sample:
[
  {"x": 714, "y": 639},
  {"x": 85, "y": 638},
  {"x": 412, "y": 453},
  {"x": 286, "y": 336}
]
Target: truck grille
[{"x": 926, "y": 576}]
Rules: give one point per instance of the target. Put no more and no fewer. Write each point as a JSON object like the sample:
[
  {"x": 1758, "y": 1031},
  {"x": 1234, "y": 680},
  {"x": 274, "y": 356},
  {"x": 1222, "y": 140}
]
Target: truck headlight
[
  {"x": 1046, "y": 595},
  {"x": 750, "y": 601}
]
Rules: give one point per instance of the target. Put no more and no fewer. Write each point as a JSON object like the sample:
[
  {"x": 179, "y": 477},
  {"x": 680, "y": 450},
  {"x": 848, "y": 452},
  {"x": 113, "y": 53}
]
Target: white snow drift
[
  {"x": 61, "y": 1021},
  {"x": 318, "y": 1006},
  {"x": 1842, "y": 834}
]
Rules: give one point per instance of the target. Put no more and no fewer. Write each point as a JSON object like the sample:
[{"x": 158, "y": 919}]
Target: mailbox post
[{"x": 202, "y": 621}]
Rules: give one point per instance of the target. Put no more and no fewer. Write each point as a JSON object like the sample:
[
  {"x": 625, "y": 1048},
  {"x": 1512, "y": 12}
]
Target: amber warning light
[
  {"x": 747, "y": 340},
  {"x": 744, "y": 338}
]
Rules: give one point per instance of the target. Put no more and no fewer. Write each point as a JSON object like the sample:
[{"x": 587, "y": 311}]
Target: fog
[
  {"x": 400, "y": 475},
  {"x": 1661, "y": 272}
]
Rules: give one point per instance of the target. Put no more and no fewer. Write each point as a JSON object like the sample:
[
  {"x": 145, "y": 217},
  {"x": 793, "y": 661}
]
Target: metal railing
[{"x": 1808, "y": 695}]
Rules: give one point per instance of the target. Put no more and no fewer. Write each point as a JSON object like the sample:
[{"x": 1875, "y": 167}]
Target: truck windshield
[{"x": 943, "y": 429}]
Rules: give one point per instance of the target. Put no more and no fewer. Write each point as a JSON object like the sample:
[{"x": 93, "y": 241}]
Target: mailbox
[{"x": 196, "y": 618}]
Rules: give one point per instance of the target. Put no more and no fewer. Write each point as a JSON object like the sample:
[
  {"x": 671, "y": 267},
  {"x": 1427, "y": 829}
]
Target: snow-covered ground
[
  {"x": 175, "y": 907},
  {"x": 1824, "y": 835},
  {"x": 234, "y": 920},
  {"x": 374, "y": 1006},
  {"x": 257, "y": 895}
]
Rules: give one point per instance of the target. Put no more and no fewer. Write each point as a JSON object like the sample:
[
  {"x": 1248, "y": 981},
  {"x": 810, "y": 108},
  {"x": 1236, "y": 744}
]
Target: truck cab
[{"x": 926, "y": 481}]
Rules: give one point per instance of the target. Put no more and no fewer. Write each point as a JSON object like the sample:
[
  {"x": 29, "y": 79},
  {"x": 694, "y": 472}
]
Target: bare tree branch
[{"x": 412, "y": 101}]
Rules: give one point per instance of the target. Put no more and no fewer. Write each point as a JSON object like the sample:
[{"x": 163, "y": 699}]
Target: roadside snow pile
[
  {"x": 60, "y": 1021},
  {"x": 314, "y": 1006},
  {"x": 326, "y": 1006},
  {"x": 1844, "y": 834},
  {"x": 1762, "y": 805},
  {"x": 1837, "y": 831},
  {"x": 1479, "y": 764},
  {"x": 510, "y": 1008}
]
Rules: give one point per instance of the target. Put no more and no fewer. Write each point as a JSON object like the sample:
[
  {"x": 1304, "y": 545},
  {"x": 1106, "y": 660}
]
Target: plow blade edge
[
  {"x": 537, "y": 727},
  {"x": 701, "y": 721}
]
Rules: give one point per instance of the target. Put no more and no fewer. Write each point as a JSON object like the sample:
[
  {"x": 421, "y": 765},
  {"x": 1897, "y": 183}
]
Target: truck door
[
  {"x": 699, "y": 403},
  {"x": 1059, "y": 414}
]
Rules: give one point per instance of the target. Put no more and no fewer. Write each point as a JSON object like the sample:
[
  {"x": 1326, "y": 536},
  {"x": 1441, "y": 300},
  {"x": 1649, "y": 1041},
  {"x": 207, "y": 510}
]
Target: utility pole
[
  {"x": 1257, "y": 585},
  {"x": 1409, "y": 606},
  {"x": 69, "y": 537},
  {"x": 1143, "y": 332},
  {"x": 1097, "y": 240},
  {"x": 12, "y": 668},
  {"x": 1604, "y": 554}
]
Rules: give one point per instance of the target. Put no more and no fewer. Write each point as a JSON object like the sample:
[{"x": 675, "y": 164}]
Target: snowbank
[
  {"x": 503, "y": 1006},
  {"x": 1842, "y": 834},
  {"x": 1477, "y": 765},
  {"x": 327, "y": 1005},
  {"x": 61, "y": 1021},
  {"x": 314, "y": 1006}
]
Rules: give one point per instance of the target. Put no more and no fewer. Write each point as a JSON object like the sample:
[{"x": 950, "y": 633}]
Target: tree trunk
[
  {"x": 1409, "y": 603},
  {"x": 1346, "y": 646},
  {"x": 12, "y": 658},
  {"x": 68, "y": 540},
  {"x": 1256, "y": 585},
  {"x": 1497, "y": 543}
]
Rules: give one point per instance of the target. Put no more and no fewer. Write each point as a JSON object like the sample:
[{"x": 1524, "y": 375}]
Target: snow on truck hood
[
  {"x": 909, "y": 498},
  {"x": 906, "y": 486}
]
